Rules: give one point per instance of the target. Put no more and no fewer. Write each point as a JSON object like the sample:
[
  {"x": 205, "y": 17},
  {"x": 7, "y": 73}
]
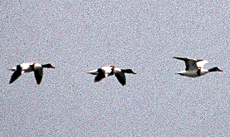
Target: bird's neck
[
  {"x": 46, "y": 65},
  {"x": 127, "y": 71},
  {"x": 213, "y": 69}
]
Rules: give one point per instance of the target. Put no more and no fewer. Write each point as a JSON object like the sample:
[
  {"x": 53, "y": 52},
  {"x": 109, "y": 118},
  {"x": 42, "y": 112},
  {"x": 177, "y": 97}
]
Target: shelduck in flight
[
  {"x": 194, "y": 67},
  {"x": 109, "y": 71},
  {"x": 29, "y": 67}
]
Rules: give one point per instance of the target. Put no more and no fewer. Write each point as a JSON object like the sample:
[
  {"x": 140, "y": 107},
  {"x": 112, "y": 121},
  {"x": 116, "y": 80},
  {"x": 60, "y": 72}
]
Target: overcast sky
[{"x": 79, "y": 36}]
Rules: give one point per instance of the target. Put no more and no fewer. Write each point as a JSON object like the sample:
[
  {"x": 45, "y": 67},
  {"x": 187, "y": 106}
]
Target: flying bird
[
  {"x": 194, "y": 67},
  {"x": 29, "y": 67},
  {"x": 109, "y": 71}
]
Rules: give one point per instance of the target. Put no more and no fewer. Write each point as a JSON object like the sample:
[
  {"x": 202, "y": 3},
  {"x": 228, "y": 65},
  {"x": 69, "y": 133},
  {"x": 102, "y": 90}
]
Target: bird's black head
[
  {"x": 128, "y": 71},
  {"x": 215, "y": 69},
  {"x": 48, "y": 66}
]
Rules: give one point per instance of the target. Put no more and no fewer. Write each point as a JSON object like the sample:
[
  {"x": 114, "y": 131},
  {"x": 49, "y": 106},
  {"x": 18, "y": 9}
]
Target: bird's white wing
[
  {"x": 107, "y": 70},
  {"x": 200, "y": 64},
  {"x": 26, "y": 66},
  {"x": 191, "y": 64}
]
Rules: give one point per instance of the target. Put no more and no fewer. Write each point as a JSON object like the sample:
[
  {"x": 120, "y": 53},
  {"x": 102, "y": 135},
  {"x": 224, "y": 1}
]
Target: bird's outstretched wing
[
  {"x": 100, "y": 75},
  {"x": 17, "y": 73},
  {"x": 121, "y": 78},
  {"x": 38, "y": 73},
  {"x": 189, "y": 63}
]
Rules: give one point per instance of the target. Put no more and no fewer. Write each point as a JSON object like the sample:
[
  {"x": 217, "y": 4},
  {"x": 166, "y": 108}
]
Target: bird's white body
[
  {"x": 193, "y": 73},
  {"x": 108, "y": 71},
  {"x": 26, "y": 67}
]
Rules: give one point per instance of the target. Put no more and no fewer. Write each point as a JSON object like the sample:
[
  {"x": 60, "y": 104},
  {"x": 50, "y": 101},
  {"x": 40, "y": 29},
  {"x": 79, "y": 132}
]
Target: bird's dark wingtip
[{"x": 38, "y": 82}]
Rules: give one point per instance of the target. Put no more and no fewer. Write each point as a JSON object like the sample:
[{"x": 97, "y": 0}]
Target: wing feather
[{"x": 201, "y": 64}]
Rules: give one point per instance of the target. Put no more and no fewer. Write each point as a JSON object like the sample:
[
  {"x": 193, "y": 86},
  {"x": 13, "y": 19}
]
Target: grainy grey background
[{"x": 78, "y": 36}]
